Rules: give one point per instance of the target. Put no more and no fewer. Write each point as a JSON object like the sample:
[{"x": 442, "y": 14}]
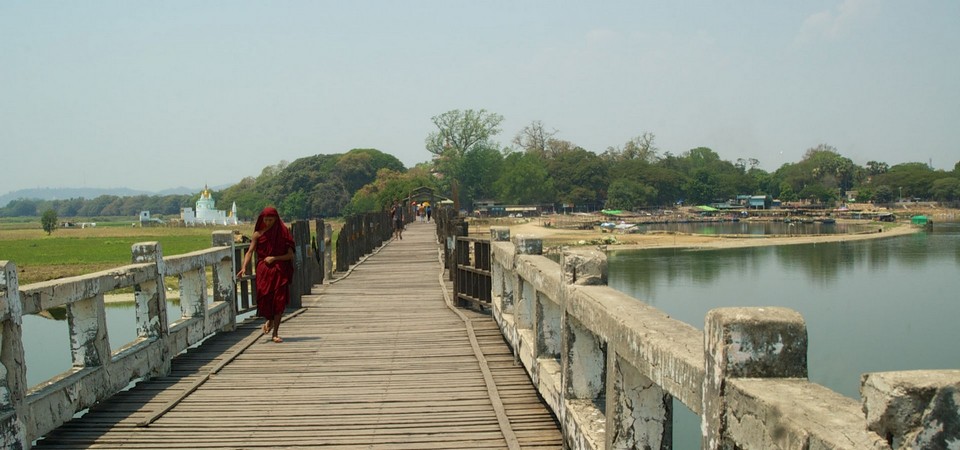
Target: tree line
[
  {"x": 536, "y": 167},
  {"x": 540, "y": 168}
]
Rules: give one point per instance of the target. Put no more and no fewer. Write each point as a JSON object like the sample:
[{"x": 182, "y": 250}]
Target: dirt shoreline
[{"x": 553, "y": 237}]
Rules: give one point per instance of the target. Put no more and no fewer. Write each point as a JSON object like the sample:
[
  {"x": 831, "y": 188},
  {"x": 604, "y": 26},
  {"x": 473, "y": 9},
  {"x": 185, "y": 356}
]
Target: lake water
[
  {"x": 873, "y": 305},
  {"x": 46, "y": 341}
]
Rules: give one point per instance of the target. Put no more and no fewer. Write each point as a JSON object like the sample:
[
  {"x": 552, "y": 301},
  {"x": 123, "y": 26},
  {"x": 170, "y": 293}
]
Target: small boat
[{"x": 828, "y": 221}]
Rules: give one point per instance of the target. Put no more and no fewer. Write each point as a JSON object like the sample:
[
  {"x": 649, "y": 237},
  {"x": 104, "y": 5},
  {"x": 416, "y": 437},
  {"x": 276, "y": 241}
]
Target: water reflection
[{"x": 46, "y": 337}]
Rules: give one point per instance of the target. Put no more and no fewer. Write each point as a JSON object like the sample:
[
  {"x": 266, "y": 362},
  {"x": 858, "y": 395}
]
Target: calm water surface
[
  {"x": 46, "y": 341},
  {"x": 875, "y": 305}
]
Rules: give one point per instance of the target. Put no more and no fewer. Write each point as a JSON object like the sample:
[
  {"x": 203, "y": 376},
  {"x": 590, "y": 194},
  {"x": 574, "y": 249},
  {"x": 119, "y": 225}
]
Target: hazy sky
[{"x": 154, "y": 95}]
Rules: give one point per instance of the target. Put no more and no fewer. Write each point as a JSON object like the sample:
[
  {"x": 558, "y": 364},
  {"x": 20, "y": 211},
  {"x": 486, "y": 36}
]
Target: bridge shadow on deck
[{"x": 375, "y": 360}]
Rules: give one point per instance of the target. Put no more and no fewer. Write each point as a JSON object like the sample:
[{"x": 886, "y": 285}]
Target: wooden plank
[{"x": 376, "y": 360}]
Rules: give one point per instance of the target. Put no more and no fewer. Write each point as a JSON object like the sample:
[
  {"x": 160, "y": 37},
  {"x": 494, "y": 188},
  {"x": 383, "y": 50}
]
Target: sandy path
[{"x": 553, "y": 237}]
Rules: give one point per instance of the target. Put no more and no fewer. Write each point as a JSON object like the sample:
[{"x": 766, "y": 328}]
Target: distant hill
[{"x": 87, "y": 193}]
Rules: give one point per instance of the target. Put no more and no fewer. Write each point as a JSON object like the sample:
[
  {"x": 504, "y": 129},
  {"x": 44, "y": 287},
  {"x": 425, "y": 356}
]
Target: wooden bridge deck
[{"x": 374, "y": 360}]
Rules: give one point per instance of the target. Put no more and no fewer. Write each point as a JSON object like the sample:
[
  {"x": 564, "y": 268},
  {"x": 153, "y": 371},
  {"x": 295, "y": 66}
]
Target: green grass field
[{"x": 76, "y": 251}]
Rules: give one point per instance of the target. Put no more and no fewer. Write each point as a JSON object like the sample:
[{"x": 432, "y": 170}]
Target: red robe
[{"x": 273, "y": 280}]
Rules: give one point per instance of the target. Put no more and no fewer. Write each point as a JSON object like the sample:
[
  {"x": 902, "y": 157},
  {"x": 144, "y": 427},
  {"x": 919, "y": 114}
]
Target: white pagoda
[{"x": 207, "y": 212}]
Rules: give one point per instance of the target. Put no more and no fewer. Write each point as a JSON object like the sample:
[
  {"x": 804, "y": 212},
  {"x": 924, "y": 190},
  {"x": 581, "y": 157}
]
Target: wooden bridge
[
  {"x": 380, "y": 358},
  {"x": 376, "y": 359}
]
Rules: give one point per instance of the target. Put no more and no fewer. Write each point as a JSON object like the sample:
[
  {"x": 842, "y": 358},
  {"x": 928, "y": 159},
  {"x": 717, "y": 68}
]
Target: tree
[
  {"x": 883, "y": 194},
  {"x": 580, "y": 177},
  {"x": 524, "y": 180},
  {"x": 49, "y": 221},
  {"x": 946, "y": 189},
  {"x": 533, "y": 138},
  {"x": 641, "y": 147},
  {"x": 461, "y": 131},
  {"x": 629, "y": 195},
  {"x": 463, "y": 139},
  {"x": 877, "y": 168}
]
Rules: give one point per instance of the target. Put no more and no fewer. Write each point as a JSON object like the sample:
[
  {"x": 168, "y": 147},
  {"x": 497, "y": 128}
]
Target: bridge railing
[
  {"x": 609, "y": 366},
  {"x": 471, "y": 280},
  {"x": 99, "y": 371},
  {"x": 360, "y": 235}
]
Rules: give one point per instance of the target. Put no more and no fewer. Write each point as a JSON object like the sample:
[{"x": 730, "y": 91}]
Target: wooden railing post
[
  {"x": 768, "y": 342},
  {"x": 327, "y": 251},
  {"x": 317, "y": 246},
  {"x": 300, "y": 284},
  {"x": 13, "y": 371}
]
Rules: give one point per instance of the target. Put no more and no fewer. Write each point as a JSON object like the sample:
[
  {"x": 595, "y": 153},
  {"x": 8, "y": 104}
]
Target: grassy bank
[{"x": 76, "y": 251}]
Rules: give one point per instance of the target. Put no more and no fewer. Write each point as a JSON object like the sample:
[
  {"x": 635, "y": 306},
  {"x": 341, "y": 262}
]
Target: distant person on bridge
[
  {"x": 274, "y": 247},
  {"x": 396, "y": 214}
]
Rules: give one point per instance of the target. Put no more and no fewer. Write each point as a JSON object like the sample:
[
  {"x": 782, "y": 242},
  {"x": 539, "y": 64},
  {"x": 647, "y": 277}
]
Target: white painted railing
[
  {"x": 98, "y": 371},
  {"x": 610, "y": 365}
]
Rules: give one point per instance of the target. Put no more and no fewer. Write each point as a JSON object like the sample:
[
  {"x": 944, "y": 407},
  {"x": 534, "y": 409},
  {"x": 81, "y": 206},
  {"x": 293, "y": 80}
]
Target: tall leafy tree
[
  {"x": 524, "y": 180},
  {"x": 462, "y": 140},
  {"x": 946, "y": 189},
  {"x": 580, "y": 177},
  {"x": 629, "y": 195}
]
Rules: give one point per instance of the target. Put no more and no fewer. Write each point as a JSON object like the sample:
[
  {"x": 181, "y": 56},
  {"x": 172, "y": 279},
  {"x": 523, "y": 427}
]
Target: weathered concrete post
[
  {"x": 87, "y": 322},
  {"x": 768, "y": 342},
  {"x": 639, "y": 412},
  {"x": 13, "y": 372},
  {"x": 501, "y": 288},
  {"x": 526, "y": 299},
  {"x": 193, "y": 293},
  {"x": 151, "y": 297},
  {"x": 917, "y": 409},
  {"x": 583, "y": 355},
  {"x": 224, "y": 276}
]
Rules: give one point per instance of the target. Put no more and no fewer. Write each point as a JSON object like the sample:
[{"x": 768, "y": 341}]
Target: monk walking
[{"x": 273, "y": 245}]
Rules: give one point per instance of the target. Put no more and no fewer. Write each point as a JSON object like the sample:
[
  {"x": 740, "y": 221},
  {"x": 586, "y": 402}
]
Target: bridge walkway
[{"x": 374, "y": 360}]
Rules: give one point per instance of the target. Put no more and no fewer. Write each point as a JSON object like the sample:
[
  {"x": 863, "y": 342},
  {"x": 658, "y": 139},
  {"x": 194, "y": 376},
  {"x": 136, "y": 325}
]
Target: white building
[{"x": 207, "y": 213}]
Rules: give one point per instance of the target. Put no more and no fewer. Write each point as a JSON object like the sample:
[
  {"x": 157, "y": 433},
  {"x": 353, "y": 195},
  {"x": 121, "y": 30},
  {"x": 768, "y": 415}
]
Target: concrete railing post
[
  {"x": 193, "y": 293},
  {"x": 13, "y": 372},
  {"x": 224, "y": 276},
  {"x": 151, "y": 301},
  {"x": 526, "y": 299},
  {"x": 639, "y": 412},
  {"x": 583, "y": 362},
  {"x": 500, "y": 287},
  {"x": 913, "y": 409},
  {"x": 87, "y": 322},
  {"x": 768, "y": 342}
]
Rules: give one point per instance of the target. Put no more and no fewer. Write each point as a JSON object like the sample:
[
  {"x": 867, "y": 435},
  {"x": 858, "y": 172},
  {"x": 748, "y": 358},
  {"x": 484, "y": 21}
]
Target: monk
[{"x": 274, "y": 247}]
